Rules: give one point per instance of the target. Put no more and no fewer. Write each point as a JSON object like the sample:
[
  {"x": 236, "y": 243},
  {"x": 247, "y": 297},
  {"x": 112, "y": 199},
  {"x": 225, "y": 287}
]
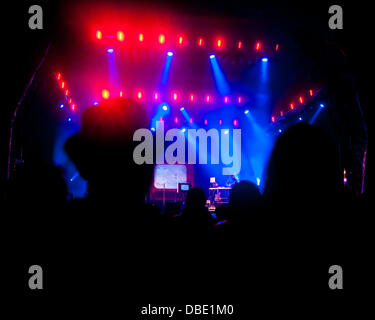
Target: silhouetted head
[
  {"x": 103, "y": 150},
  {"x": 244, "y": 195},
  {"x": 303, "y": 168},
  {"x": 195, "y": 198}
]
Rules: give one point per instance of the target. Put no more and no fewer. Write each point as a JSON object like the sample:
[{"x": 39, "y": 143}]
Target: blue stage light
[
  {"x": 264, "y": 59},
  {"x": 280, "y": 130},
  {"x": 300, "y": 118},
  {"x": 258, "y": 182},
  {"x": 226, "y": 131},
  {"x": 247, "y": 111},
  {"x": 316, "y": 114},
  {"x": 69, "y": 119},
  {"x": 165, "y": 73},
  {"x": 219, "y": 76},
  {"x": 182, "y": 109},
  {"x": 110, "y": 50},
  {"x": 165, "y": 107},
  {"x": 96, "y": 103},
  {"x": 75, "y": 176},
  {"x": 183, "y": 129},
  {"x": 257, "y": 150},
  {"x": 61, "y": 106},
  {"x": 153, "y": 129}
]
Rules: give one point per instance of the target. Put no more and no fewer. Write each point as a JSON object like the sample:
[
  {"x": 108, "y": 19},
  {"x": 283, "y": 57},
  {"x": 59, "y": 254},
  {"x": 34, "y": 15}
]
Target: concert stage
[{"x": 190, "y": 72}]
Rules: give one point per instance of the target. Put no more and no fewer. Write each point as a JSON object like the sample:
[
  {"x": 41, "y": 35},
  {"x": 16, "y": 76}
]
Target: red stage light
[
  {"x": 277, "y": 47},
  {"x": 70, "y": 100},
  {"x": 191, "y": 120},
  {"x": 58, "y": 76},
  {"x": 205, "y": 121},
  {"x": 226, "y": 99},
  {"x": 292, "y": 106},
  {"x": 120, "y": 36},
  {"x": 239, "y": 45},
  {"x": 99, "y": 34},
  {"x": 62, "y": 85},
  {"x": 239, "y": 99},
  {"x": 192, "y": 98},
  {"x": 139, "y": 95},
  {"x": 273, "y": 119},
  {"x": 67, "y": 92},
  {"x": 258, "y": 46},
  {"x": 281, "y": 113},
  {"x": 180, "y": 40},
  {"x": 220, "y": 122},
  {"x": 219, "y": 43},
  {"x": 235, "y": 122},
  {"x": 200, "y": 42},
  {"x": 105, "y": 94},
  {"x": 208, "y": 98},
  {"x": 311, "y": 92},
  {"x": 162, "y": 39},
  {"x": 73, "y": 107},
  {"x": 140, "y": 37},
  {"x": 175, "y": 120},
  {"x": 175, "y": 96},
  {"x": 301, "y": 99},
  {"x": 156, "y": 96},
  {"x": 121, "y": 94}
]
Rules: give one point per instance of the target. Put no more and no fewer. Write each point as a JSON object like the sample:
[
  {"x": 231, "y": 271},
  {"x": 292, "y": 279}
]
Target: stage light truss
[
  {"x": 296, "y": 105},
  {"x": 228, "y": 123},
  {"x": 178, "y": 41},
  {"x": 176, "y": 97},
  {"x": 69, "y": 104}
]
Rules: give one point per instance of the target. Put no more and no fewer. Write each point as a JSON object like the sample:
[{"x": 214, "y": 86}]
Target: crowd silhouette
[{"x": 290, "y": 226}]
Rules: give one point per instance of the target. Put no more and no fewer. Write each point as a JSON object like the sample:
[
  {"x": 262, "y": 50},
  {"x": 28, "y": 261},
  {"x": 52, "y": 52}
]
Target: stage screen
[{"x": 168, "y": 176}]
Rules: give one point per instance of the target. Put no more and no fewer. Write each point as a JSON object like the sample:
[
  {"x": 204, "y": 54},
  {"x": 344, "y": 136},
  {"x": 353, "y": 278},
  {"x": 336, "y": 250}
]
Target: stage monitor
[
  {"x": 169, "y": 176},
  {"x": 183, "y": 187}
]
